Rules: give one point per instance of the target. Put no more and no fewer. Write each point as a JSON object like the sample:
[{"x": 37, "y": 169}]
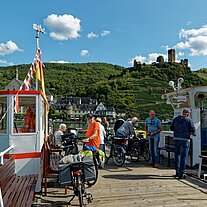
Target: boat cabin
[
  {"x": 194, "y": 99},
  {"x": 24, "y": 129}
]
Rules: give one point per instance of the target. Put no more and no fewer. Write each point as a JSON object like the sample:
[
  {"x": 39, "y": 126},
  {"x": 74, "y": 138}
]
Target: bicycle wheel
[
  {"x": 118, "y": 155},
  {"x": 96, "y": 172},
  {"x": 135, "y": 153},
  {"x": 146, "y": 152},
  {"x": 80, "y": 191}
]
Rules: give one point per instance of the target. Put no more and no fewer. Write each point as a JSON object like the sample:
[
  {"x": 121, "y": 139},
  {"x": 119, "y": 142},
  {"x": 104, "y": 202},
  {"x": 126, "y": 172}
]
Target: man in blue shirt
[{"x": 153, "y": 128}]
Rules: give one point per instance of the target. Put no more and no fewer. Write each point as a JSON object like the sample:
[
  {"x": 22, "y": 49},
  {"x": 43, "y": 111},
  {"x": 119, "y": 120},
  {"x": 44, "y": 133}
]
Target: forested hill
[{"x": 136, "y": 90}]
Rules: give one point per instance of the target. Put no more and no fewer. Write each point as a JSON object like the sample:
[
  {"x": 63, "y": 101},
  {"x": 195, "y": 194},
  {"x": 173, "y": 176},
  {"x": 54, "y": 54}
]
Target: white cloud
[
  {"x": 92, "y": 35},
  {"x": 178, "y": 54},
  {"x": 8, "y": 48},
  {"x": 105, "y": 33},
  {"x": 196, "y": 45},
  {"x": 193, "y": 32},
  {"x": 63, "y": 27},
  {"x": 84, "y": 52},
  {"x": 189, "y": 22},
  {"x": 150, "y": 58},
  {"x": 58, "y": 61},
  {"x": 5, "y": 62},
  {"x": 195, "y": 40},
  {"x": 138, "y": 58},
  {"x": 165, "y": 47},
  {"x": 153, "y": 57}
]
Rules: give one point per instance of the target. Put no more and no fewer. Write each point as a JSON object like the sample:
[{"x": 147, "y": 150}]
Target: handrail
[
  {"x": 4, "y": 152},
  {"x": 1, "y": 199}
]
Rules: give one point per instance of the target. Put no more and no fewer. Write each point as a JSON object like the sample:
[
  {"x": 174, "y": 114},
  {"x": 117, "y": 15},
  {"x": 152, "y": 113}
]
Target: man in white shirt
[
  {"x": 58, "y": 134},
  {"x": 102, "y": 134}
]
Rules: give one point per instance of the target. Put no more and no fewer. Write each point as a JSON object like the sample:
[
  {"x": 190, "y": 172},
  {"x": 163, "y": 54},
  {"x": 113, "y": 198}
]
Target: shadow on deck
[{"x": 135, "y": 184}]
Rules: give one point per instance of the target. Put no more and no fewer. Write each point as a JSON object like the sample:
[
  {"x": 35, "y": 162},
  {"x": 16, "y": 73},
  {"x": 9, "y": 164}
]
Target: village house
[
  {"x": 15, "y": 83},
  {"x": 77, "y": 107}
]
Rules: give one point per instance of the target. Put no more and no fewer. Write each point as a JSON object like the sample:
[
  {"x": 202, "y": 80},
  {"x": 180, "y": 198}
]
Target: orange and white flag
[{"x": 16, "y": 106}]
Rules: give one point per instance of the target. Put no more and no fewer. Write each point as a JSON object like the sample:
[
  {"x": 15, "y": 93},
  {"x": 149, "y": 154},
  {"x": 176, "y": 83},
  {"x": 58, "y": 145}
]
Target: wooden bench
[
  {"x": 169, "y": 148},
  {"x": 51, "y": 145},
  {"x": 203, "y": 163},
  {"x": 54, "y": 155},
  {"x": 17, "y": 191},
  {"x": 51, "y": 162}
]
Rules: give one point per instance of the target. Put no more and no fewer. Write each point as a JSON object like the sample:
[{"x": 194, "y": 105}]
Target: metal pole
[
  {"x": 38, "y": 29},
  {"x": 1, "y": 199},
  {"x": 37, "y": 47},
  {"x": 4, "y": 152}
]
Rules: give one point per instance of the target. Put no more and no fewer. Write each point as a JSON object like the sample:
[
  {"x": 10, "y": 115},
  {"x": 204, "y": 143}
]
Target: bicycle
[
  {"x": 80, "y": 175},
  {"x": 117, "y": 149},
  {"x": 142, "y": 148},
  {"x": 114, "y": 149},
  {"x": 78, "y": 182},
  {"x": 95, "y": 161}
]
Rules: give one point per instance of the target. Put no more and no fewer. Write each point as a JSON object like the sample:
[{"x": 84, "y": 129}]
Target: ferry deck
[{"x": 134, "y": 185}]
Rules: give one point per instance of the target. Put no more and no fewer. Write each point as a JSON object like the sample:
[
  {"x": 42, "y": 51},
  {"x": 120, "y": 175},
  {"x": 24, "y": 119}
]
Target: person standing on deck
[
  {"x": 93, "y": 134},
  {"x": 105, "y": 123},
  {"x": 183, "y": 127},
  {"x": 58, "y": 134},
  {"x": 102, "y": 134},
  {"x": 153, "y": 128}
]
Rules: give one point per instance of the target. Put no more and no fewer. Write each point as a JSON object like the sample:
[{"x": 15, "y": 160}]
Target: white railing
[
  {"x": 2, "y": 162},
  {"x": 1, "y": 200},
  {"x": 4, "y": 152}
]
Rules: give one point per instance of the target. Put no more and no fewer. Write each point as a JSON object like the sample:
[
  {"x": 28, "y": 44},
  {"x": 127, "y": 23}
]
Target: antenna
[
  {"x": 172, "y": 84},
  {"x": 180, "y": 81},
  {"x": 38, "y": 29}
]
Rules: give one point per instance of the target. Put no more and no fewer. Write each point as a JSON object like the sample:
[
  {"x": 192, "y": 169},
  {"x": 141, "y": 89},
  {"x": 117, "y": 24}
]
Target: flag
[
  {"x": 39, "y": 75},
  {"x": 38, "y": 65},
  {"x": 16, "y": 107}
]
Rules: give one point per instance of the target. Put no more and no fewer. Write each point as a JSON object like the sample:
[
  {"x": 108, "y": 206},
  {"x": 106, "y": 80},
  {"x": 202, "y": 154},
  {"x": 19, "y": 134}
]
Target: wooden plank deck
[{"x": 134, "y": 185}]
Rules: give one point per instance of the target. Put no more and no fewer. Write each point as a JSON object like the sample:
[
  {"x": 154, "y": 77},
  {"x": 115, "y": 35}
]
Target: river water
[{"x": 53, "y": 125}]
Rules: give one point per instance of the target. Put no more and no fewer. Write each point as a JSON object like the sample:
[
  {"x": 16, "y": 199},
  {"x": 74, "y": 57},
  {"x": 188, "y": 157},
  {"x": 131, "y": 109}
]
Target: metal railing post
[
  {"x": 3, "y": 153},
  {"x": 1, "y": 199}
]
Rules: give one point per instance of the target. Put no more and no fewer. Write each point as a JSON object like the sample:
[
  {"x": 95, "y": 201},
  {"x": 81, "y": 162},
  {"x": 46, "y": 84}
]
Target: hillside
[{"x": 136, "y": 90}]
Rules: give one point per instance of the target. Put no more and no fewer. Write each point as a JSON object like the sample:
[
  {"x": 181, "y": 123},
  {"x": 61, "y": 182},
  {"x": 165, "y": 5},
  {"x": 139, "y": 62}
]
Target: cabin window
[
  {"x": 181, "y": 100},
  {"x": 201, "y": 100},
  {"x": 3, "y": 114},
  {"x": 25, "y": 118}
]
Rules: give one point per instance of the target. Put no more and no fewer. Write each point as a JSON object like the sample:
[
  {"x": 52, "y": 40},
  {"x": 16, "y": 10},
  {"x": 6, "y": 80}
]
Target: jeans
[
  {"x": 102, "y": 147},
  {"x": 181, "y": 153},
  {"x": 153, "y": 148}
]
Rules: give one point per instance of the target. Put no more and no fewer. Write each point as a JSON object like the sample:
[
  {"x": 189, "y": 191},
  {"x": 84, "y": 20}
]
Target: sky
[{"x": 110, "y": 31}]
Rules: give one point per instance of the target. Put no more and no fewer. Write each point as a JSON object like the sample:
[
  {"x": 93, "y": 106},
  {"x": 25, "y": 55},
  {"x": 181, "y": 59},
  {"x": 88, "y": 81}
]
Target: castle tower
[{"x": 171, "y": 55}]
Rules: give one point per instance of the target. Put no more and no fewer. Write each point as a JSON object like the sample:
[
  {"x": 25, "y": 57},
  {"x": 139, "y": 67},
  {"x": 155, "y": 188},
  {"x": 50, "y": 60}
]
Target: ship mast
[{"x": 38, "y": 29}]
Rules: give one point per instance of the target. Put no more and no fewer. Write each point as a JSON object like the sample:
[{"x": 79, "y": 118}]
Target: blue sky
[{"x": 111, "y": 31}]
